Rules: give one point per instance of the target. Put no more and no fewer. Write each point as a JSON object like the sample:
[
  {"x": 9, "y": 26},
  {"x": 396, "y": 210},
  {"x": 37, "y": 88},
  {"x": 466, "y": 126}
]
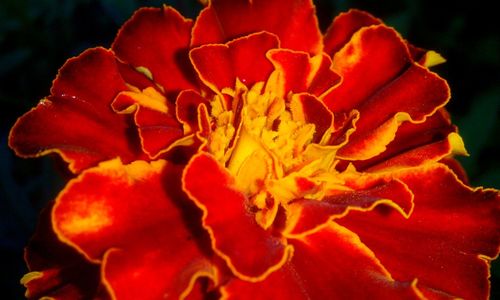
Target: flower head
[{"x": 248, "y": 155}]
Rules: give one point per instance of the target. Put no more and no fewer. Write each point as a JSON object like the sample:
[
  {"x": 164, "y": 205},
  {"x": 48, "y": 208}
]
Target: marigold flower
[{"x": 248, "y": 155}]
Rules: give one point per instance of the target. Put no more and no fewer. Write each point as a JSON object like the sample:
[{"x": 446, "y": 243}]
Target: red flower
[{"x": 248, "y": 155}]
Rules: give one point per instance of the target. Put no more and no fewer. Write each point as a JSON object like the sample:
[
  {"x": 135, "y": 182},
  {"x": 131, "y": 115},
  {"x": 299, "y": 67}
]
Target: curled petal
[
  {"x": 307, "y": 215},
  {"x": 157, "y": 126},
  {"x": 56, "y": 269},
  {"x": 166, "y": 62},
  {"x": 224, "y": 20},
  {"x": 77, "y": 120},
  {"x": 447, "y": 242},
  {"x": 329, "y": 264},
  {"x": 303, "y": 73},
  {"x": 187, "y": 109},
  {"x": 416, "y": 144},
  {"x": 309, "y": 109},
  {"x": 344, "y": 26},
  {"x": 137, "y": 223},
  {"x": 219, "y": 66},
  {"x": 382, "y": 83},
  {"x": 250, "y": 251}
]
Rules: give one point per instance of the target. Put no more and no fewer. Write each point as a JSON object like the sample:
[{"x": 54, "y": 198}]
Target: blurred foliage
[{"x": 37, "y": 36}]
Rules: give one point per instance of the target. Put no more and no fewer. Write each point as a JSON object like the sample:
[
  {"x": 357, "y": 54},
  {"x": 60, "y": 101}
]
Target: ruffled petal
[
  {"x": 156, "y": 41},
  {"x": 346, "y": 24},
  {"x": 299, "y": 72},
  {"x": 220, "y": 65},
  {"x": 250, "y": 251},
  {"x": 309, "y": 109},
  {"x": 154, "y": 117},
  {"x": 136, "y": 221},
  {"x": 448, "y": 240},
  {"x": 56, "y": 269},
  {"x": 187, "y": 109},
  {"x": 77, "y": 121},
  {"x": 382, "y": 83},
  {"x": 343, "y": 28},
  {"x": 306, "y": 215},
  {"x": 293, "y": 21},
  {"x": 329, "y": 264},
  {"x": 417, "y": 144}
]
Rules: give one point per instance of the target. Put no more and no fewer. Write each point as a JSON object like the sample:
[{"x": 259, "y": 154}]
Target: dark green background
[{"x": 37, "y": 36}]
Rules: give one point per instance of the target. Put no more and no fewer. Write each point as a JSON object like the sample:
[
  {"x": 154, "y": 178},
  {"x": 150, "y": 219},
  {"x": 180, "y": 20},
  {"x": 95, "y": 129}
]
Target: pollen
[{"x": 266, "y": 143}]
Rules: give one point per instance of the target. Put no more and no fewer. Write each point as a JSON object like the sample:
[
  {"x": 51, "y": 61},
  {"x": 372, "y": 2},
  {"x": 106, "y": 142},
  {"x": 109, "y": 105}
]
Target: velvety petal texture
[
  {"x": 57, "y": 270},
  {"x": 167, "y": 61},
  {"x": 330, "y": 256},
  {"x": 467, "y": 219},
  {"x": 90, "y": 215},
  {"x": 224, "y": 20},
  {"x": 247, "y": 155},
  {"x": 212, "y": 189},
  {"x": 77, "y": 120},
  {"x": 244, "y": 58}
]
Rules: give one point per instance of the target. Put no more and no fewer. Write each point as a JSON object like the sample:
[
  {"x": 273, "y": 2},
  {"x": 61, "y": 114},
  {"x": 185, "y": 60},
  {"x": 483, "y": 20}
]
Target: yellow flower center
[{"x": 264, "y": 142}]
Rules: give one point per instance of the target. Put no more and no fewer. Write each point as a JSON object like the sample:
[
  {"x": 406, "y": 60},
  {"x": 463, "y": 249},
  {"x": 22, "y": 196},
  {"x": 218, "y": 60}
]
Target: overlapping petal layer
[
  {"x": 380, "y": 80},
  {"x": 228, "y": 218},
  {"x": 447, "y": 241},
  {"x": 102, "y": 209},
  {"x": 77, "y": 121},
  {"x": 307, "y": 215},
  {"x": 309, "y": 166},
  {"x": 329, "y": 264},
  {"x": 166, "y": 62},
  {"x": 244, "y": 58},
  {"x": 224, "y": 20},
  {"x": 58, "y": 270}
]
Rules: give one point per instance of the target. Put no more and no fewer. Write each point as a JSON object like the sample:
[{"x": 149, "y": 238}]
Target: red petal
[
  {"x": 250, "y": 251},
  {"x": 325, "y": 78},
  {"x": 295, "y": 68},
  {"x": 311, "y": 214},
  {"x": 158, "y": 39},
  {"x": 416, "y": 144},
  {"x": 329, "y": 264},
  {"x": 219, "y": 66},
  {"x": 293, "y": 21},
  {"x": 77, "y": 121},
  {"x": 57, "y": 269},
  {"x": 187, "y": 109},
  {"x": 383, "y": 84},
  {"x": 344, "y": 26},
  {"x": 136, "y": 220},
  {"x": 309, "y": 109},
  {"x": 301, "y": 73},
  {"x": 445, "y": 242}
]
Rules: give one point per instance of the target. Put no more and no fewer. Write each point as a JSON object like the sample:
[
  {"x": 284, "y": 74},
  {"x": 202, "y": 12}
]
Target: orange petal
[
  {"x": 302, "y": 73},
  {"x": 218, "y": 66},
  {"x": 309, "y": 109},
  {"x": 136, "y": 221},
  {"x": 77, "y": 121},
  {"x": 293, "y": 21},
  {"x": 157, "y": 39},
  {"x": 416, "y": 144},
  {"x": 250, "y": 251},
  {"x": 344, "y": 26},
  {"x": 56, "y": 269},
  {"x": 329, "y": 264},
  {"x": 308, "y": 215},
  {"x": 383, "y": 84},
  {"x": 187, "y": 109},
  {"x": 446, "y": 243}
]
